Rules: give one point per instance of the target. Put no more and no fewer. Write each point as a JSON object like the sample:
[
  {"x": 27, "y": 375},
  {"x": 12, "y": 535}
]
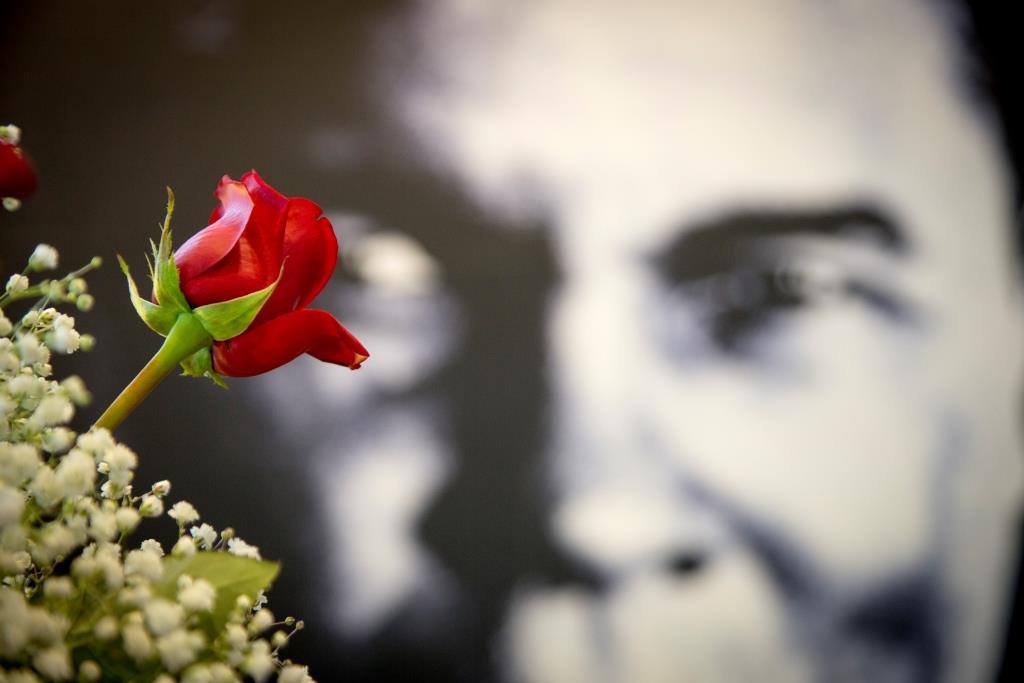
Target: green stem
[{"x": 187, "y": 336}]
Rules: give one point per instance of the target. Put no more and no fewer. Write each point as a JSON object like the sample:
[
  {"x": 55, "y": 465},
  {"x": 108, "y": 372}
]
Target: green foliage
[{"x": 231, "y": 575}]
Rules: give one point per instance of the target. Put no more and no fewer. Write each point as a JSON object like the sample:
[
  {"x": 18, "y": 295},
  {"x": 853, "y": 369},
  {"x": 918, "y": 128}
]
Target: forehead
[{"x": 628, "y": 120}]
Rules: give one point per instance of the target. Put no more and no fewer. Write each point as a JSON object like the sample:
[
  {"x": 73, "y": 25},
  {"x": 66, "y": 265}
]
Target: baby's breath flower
[
  {"x": 292, "y": 673},
  {"x": 261, "y": 621},
  {"x": 127, "y": 519},
  {"x": 52, "y": 410},
  {"x": 279, "y": 639},
  {"x": 102, "y": 525},
  {"x": 76, "y": 391},
  {"x": 120, "y": 458},
  {"x": 43, "y": 258},
  {"x": 196, "y": 595},
  {"x": 135, "y": 596},
  {"x": 56, "y": 541},
  {"x": 105, "y": 629},
  {"x": 57, "y": 439},
  {"x": 137, "y": 643},
  {"x": 183, "y": 513},
  {"x": 258, "y": 663},
  {"x": 46, "y": 488},
  {"x": 185, "y": 547},
  {"x": 222, "y": 673},
  {"x": 53, "y": 662},
  {"x": 205, "y": 535},
  {"x": 86, "y": 342},
  {"x": 237, "y": 546},
  {"x": 32, "y": 317},
  {"x": 77, "y": 473},
  {"x": 62, "y": 336},
  {"x": 58, "y": 587},
  {"x": 17, "y": 283},
  {"x": 14, "y": 562},
  {"x": 5, "y": 325},
  {"x": 144, "y": 564},
  {"x": 18, "y": 462},
  {"x": 236, "y": 637},
  {"x": 151, "y": 506},
  {"x": 178, "y": 648},
  {"x": 12, "y": 504},
  {"x": 197, "y": 673},
  {"x": 31, "y": 351},
  {"x": 151, "y": 545},
  {"x": 163, "y": 616},
  {"x": 89, "y": 671},
  {"x": 161, "y": 488},
  {"x": 97, "y": 441}
]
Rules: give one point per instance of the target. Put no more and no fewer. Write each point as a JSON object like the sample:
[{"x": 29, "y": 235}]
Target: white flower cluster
[{"x": 77, "y": 600}]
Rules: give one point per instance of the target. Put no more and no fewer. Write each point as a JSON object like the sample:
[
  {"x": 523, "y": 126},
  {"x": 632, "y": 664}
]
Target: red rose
[
  {"x": 252, "y": 234},
  {"x": 17, "y": 176}
]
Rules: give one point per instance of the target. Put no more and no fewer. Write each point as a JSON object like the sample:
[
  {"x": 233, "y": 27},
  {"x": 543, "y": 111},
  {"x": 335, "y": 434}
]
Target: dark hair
[{"x": 992, "y": 39}]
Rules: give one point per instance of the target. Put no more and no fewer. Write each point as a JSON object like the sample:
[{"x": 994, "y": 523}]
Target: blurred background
[{"x": 418, "y": 505}]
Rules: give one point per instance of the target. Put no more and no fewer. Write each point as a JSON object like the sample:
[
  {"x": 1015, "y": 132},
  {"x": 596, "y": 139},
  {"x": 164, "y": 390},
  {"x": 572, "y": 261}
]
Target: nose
[
  {"x": 616, "y": 528},
  {"x": 617, "y": 507}
]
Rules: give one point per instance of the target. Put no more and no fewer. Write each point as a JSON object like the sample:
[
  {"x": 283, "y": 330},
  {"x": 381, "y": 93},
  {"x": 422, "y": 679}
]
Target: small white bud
[
  {"x": 105, "y": 629},
  {"x": 151, "y": 506},
  {"x": 127, "y": 519},
  {"x": 17, "y": 283},
  {"x": 185, "y": 547},
  {"x": 43, "y": 258},
  {"x": 89, "y": 671}
]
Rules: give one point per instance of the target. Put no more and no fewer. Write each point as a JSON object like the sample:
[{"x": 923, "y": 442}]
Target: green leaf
[
  {"x": 231, "y": 575},
  {"x": 158, "y": 318},
  {"x": 200, "y": 364},
  {"x": 227, "y": 319}
]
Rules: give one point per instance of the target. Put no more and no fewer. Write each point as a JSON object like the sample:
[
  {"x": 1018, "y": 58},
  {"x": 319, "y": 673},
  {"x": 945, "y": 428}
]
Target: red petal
[
  {"x": 265, "y": 232},
  {"x": 254, "y": 261},
  {"x": 17, "y": 176},
  {"x": 264, "y": 347},
  {"x": 210, "y": 245},
  {"x": 310, "y": 254}
]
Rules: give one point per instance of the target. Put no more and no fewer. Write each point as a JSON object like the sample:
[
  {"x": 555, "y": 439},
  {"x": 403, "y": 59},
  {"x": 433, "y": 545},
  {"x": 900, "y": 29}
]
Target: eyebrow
[{"x": 710, "y": 246}]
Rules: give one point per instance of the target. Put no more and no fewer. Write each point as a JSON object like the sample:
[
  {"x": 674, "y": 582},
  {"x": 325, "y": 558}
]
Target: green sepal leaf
[
  {"x": 227, "y": 319},
  {"x": 158, "y": 318},
  {"x": 231, "y": 575},
  {"x": 164, "y": 270},
  {"x": 200, "y": 364}
]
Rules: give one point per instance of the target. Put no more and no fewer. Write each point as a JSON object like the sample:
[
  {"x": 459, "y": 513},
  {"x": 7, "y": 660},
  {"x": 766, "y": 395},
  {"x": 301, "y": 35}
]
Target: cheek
[{"x": 829, "y": 438}]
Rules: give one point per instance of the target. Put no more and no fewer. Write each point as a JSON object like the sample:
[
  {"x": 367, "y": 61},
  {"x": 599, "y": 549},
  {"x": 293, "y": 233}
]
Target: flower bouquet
[{"x": 84, "y": 594}]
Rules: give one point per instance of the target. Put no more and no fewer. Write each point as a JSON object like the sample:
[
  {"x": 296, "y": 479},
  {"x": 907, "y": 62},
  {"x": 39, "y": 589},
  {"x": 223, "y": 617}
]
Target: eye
[{"x": 737, "y": 307}]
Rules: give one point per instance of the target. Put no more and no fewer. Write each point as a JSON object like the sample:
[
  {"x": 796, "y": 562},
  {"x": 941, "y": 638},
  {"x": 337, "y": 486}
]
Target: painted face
[{"x": 785, "y": 353}]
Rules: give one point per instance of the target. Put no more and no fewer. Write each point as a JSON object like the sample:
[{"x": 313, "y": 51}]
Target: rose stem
[{"x": 185, "y": 338}]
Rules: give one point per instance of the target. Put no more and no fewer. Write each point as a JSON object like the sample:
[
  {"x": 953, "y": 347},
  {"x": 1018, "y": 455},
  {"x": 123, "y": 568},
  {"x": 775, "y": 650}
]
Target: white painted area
[
  {"x": 874, "y": 446},
  {"x": 375, "y": 491}
]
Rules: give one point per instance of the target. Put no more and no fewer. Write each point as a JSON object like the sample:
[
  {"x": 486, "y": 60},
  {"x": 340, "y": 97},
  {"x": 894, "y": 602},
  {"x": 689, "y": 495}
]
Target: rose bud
[
  {"x": 17, "y": 175},
  {"x": 233, "y": 299},
  {"x": 254, "y": 236}
]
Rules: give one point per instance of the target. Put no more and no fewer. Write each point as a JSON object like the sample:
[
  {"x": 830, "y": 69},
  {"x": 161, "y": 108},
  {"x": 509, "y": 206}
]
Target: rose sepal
[
  {"x": 200, "y": 364},
  {"x": 160, "y": 319},
  {"x": 164, "y": 271},
  {"x": 227, "y": 319}
]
